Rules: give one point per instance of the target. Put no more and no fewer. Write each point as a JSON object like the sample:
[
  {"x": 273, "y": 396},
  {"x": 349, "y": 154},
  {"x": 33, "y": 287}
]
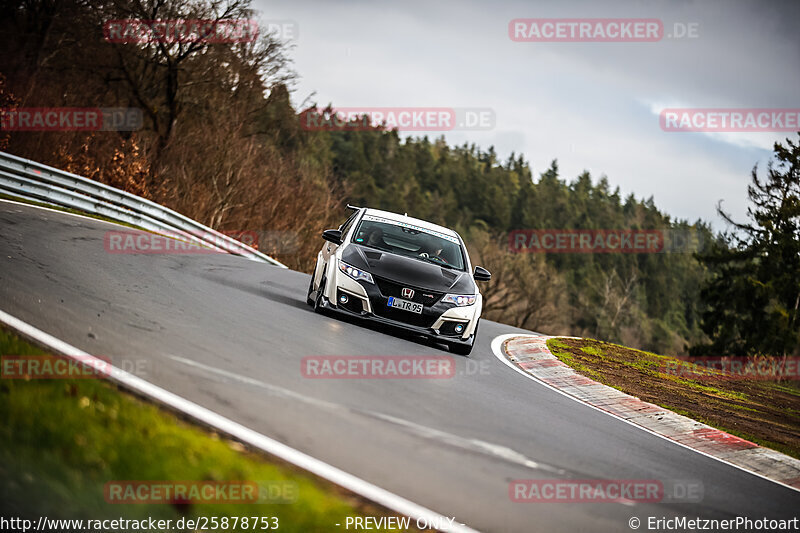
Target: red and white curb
[{"x": 530, "y": 355}]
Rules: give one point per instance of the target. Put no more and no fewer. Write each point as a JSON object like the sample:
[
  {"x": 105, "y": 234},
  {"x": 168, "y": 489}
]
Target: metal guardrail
[{"x": 29, "y": 180}]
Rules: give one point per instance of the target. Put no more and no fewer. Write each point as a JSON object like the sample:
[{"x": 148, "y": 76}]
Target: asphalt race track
[{"x": 229, "y": 334}]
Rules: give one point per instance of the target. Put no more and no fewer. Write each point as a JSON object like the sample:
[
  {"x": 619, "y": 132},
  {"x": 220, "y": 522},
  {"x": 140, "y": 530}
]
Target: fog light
[
  {"x": 343, "y": 298},
  {"x": 459, "y": 328}
]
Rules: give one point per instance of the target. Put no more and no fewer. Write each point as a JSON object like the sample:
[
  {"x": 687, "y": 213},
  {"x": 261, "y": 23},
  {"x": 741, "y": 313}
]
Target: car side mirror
[
  {"x": 332, "y": 235},
  {"x": 481, "y": 274}
]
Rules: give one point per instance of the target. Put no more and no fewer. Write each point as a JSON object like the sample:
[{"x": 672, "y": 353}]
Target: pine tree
[{"x": 753, "y": 295}]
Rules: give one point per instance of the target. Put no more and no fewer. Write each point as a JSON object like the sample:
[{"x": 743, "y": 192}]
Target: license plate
[{"x": 405, "y": 305}]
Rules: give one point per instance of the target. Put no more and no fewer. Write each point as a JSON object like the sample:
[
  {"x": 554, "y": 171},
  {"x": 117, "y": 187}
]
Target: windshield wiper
[{"x": 445, "y": 265}]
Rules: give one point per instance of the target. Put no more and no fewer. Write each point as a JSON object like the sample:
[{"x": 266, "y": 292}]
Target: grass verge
[
  {"x": 64, "y": 439},
  {"x": 764, "y": 412},
  {"x": 64, "y": 209},
  {"x": 166, "y": 235}
]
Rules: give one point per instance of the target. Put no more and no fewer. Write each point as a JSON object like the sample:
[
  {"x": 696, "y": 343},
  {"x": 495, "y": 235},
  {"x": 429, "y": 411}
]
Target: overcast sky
[{"x": 592, "y": 106}]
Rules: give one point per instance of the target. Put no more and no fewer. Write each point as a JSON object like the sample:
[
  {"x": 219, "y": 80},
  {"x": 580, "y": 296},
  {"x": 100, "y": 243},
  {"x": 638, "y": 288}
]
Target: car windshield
[{"x": 410, "y": 241}]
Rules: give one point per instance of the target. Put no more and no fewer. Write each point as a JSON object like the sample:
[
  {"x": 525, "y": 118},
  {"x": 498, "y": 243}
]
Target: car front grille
[
  {"x": 421, "y": 296},
  {"x": 425, "y": 297}
]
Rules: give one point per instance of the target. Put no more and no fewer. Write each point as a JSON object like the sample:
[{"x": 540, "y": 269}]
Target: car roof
[{"x": 410, "y": 220}]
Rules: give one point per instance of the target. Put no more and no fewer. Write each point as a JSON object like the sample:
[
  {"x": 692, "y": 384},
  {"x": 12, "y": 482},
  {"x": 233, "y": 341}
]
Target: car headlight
[
  {"x": 460, "y": 300},
  {"x": 354, "y": 272}
]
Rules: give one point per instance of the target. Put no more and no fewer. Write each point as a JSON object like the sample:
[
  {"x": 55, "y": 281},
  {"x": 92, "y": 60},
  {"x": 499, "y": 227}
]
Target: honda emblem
[{"x": 407, "y": 293}]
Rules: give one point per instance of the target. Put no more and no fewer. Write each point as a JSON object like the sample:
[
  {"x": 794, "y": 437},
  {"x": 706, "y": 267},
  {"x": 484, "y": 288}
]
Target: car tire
[
  {"x": 309, "y": 299},
  {"x": 318, "y": 300}
]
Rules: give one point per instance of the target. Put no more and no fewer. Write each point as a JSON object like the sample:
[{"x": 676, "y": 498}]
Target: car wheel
[
  {"x": 318, "y": 301},
  {"x": 309, "y": 299}
]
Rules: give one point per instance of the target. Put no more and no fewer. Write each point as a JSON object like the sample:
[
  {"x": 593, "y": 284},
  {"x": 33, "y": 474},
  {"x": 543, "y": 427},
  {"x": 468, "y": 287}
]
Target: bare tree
[{"x": 525, "y": 291}]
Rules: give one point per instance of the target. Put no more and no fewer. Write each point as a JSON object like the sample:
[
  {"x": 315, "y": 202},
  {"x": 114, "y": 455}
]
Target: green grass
[
  {"x": 63, "y": 440},
  {"x": 789, "y": 388},
  {"x": 557, "y": 348},
  {"x": 591, "y": 350}
]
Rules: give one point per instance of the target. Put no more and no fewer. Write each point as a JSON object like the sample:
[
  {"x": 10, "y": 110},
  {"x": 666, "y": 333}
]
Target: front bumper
[
  {"x": 429, "y": 333},
  {"x": 367, "y": 302}
]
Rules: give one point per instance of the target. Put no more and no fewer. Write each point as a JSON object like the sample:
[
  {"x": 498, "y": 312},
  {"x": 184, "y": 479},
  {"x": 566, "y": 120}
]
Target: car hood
[{"x": 409, "y": 271}]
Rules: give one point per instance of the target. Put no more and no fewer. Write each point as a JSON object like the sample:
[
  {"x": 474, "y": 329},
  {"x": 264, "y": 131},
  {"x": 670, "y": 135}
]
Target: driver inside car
[
  {"x": 433, "y": 252},
  {"x": 376, "y": 238}
]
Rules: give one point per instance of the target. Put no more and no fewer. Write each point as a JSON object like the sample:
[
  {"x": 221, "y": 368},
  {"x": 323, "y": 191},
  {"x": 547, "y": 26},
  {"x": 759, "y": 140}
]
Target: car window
[{"x": 410, "y": 241}]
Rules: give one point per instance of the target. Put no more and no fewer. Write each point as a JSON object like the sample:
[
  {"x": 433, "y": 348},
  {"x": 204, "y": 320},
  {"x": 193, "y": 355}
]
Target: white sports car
[{"x": 397, "y": 270}]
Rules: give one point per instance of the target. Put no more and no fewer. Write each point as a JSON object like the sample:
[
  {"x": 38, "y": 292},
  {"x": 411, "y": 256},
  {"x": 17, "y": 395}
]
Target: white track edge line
[
  {"x": 497, "y": 349},
  {"x": 311, "y": 464},
  {"x": 59, "y": 211}
]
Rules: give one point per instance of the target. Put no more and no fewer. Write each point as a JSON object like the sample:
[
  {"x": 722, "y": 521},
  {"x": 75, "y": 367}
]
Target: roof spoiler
[{"x": 353, "y": 207}]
